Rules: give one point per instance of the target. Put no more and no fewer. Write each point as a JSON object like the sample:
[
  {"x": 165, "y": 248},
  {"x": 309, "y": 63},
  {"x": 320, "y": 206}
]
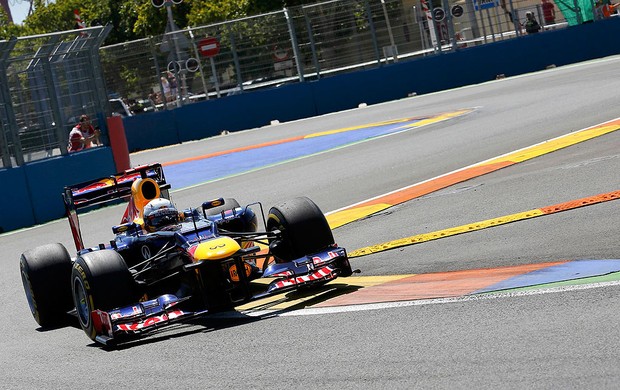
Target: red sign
[
  {"x": 209, "y": 47},
  {"x": 280, "y": 54}
]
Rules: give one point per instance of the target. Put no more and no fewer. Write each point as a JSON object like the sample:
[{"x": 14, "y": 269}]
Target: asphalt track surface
[{"x": 558, "y": 335}]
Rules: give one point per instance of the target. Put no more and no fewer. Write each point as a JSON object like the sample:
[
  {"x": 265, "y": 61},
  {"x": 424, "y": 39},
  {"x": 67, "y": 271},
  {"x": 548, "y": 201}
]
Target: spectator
[
  {"x": 603, "y": 9},
  {"x": 166, "y": 88},
  {"x": 607, "y": 9},
  {"x": 173, "y": 86},
  {"x": 531, "y": 25},
  {"x": 83, "y": 135},
  {"x": 548, "y": 12},
  {"x": 153, "y": 97}
]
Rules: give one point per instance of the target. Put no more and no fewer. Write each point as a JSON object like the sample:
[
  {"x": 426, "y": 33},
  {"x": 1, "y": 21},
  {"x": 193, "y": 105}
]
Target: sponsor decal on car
[
  {"x": 325, "y": 273},
  {"x": 234, "y": 276},
  {"x": 150, "y": 322}
]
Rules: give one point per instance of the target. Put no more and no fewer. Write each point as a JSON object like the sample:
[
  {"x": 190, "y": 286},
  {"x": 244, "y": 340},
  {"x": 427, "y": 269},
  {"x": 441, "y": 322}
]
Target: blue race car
[{"x": 203, "y": 260}]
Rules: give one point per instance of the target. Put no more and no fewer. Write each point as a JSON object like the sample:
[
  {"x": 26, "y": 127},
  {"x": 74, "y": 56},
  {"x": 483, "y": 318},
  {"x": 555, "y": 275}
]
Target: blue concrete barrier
[
  {"x": 46, "y": 179},
  {"x": 243, "y": 111},
  {"x": 153, "y": 130},
  {"x": 16, "y": 197}
]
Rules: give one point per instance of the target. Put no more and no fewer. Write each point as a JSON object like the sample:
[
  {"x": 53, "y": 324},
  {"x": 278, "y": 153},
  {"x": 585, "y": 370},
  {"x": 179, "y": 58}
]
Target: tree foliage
[{"x": 134, "y": 19}]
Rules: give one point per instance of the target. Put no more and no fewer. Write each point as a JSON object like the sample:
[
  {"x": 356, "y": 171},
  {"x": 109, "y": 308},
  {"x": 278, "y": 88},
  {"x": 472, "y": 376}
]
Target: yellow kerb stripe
[{"x": 445, "y": 233}]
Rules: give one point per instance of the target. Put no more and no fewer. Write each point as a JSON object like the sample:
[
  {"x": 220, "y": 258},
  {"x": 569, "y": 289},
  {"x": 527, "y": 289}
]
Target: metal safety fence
[
  {"x": 47, "y": 81},
  {"x": 306, "y": 43}
]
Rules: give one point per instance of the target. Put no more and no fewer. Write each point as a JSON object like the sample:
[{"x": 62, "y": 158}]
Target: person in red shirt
[
  {"x": 607, "y": 8},
  {"x": 83, "y": 135},
  {"x": 548, "y": 12}
]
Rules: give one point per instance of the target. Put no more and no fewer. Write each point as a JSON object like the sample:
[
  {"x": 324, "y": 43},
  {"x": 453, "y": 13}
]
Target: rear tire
[
  {"x": 100, "y": 280},
  {"x": 303, "y": 226},
  {"x": 45, "y": 272}
]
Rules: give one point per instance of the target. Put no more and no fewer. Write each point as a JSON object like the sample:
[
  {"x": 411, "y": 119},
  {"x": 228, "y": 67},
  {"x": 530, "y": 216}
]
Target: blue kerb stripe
[
  {"x": 200, "y": 171},
  {"x": 567, "y": 271}
]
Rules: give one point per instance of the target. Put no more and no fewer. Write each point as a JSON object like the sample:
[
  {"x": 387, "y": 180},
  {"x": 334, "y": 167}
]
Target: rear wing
[{"x": 106, "y": 190}]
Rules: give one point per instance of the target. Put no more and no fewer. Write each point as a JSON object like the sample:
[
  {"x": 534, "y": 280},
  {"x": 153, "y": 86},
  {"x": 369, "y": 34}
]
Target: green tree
[
  {"x": 8, "y": 30},
  {"x": 134, "y": 19},
  {"x": 57, "y": 16},
  {"x": 210, "y": 11}
]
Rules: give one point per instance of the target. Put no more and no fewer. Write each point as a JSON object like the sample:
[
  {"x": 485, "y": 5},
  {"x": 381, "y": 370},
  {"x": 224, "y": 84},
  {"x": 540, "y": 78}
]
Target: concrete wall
[
  {"x": 209, "y": 118},
  {"x": 35, "y": 188},
  {"x": 16, "y": 194}
]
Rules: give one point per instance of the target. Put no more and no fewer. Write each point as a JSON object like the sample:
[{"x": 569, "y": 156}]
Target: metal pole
[
  {"x": 515, "y": 20},
  {"x": 473, "y": 18},
  {"x": 50, "y": 93},
  {"x": 215, "y": 77},
  {"x": 499, "y": 23},
  {"x": 296, "y": 51},
  {"x": 419, "y": 20},
  {"x": 61, "y": 135},
  {"x": 484, "y": 29},
  {"x": 202, "y": 76},
  {"x": 233, "y": 47},
  {"x": 315, "y": 57},
  {"x": 490, "y": 24},
  {"x": 97, "y": 72},
  {"x": 5, "y": 99},
  {"x": 176, "y": 50},
  {"x": 373, "y": 32},
  {"x": 394, "y": 51},
  {"x": 438, "y": 45},
  {"x": 450, "y": 23},
  {"x": 157, "y": 74}
]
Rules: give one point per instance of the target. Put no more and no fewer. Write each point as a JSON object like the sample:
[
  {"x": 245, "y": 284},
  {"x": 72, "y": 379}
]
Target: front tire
[
  {"x": 100, "y": 280},
  {"x": 45, "y": 272},
  {"x": 303, "y": 226}
]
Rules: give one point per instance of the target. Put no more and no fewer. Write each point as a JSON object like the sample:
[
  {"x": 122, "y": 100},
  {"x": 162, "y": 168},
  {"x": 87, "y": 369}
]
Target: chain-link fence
[{"x": 46, "y": 82}]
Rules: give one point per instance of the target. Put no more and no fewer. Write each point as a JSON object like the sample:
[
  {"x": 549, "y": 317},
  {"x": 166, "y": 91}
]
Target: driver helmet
[{"x": 160, "y": 214}]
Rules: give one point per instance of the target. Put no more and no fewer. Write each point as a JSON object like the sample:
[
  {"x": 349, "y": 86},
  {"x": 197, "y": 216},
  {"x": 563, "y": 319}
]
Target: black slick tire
[
  {"x": 45, "y": 272},
  {"x": 100, "y": 280},
  {"x": 304, "y": 229}
]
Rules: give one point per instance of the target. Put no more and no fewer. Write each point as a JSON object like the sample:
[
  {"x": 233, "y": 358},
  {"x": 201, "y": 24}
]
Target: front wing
[{"x": 317, "y": 269}]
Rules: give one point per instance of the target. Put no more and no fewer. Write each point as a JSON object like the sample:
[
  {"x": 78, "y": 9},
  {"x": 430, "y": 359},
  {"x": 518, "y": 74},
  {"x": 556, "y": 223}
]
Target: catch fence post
[{"x": 296, "y": 51}]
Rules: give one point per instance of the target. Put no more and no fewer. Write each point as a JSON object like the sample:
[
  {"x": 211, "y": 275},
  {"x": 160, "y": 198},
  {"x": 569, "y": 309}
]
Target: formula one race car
[{"x": 165, "y": 266}]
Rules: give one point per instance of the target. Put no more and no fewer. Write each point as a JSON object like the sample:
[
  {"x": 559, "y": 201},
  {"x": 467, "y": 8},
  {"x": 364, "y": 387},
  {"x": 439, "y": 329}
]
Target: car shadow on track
[
  {"x": 289, "y": 302},
  {"x": 296, "y": 300},
  {"x": 69, "y": 320}
]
